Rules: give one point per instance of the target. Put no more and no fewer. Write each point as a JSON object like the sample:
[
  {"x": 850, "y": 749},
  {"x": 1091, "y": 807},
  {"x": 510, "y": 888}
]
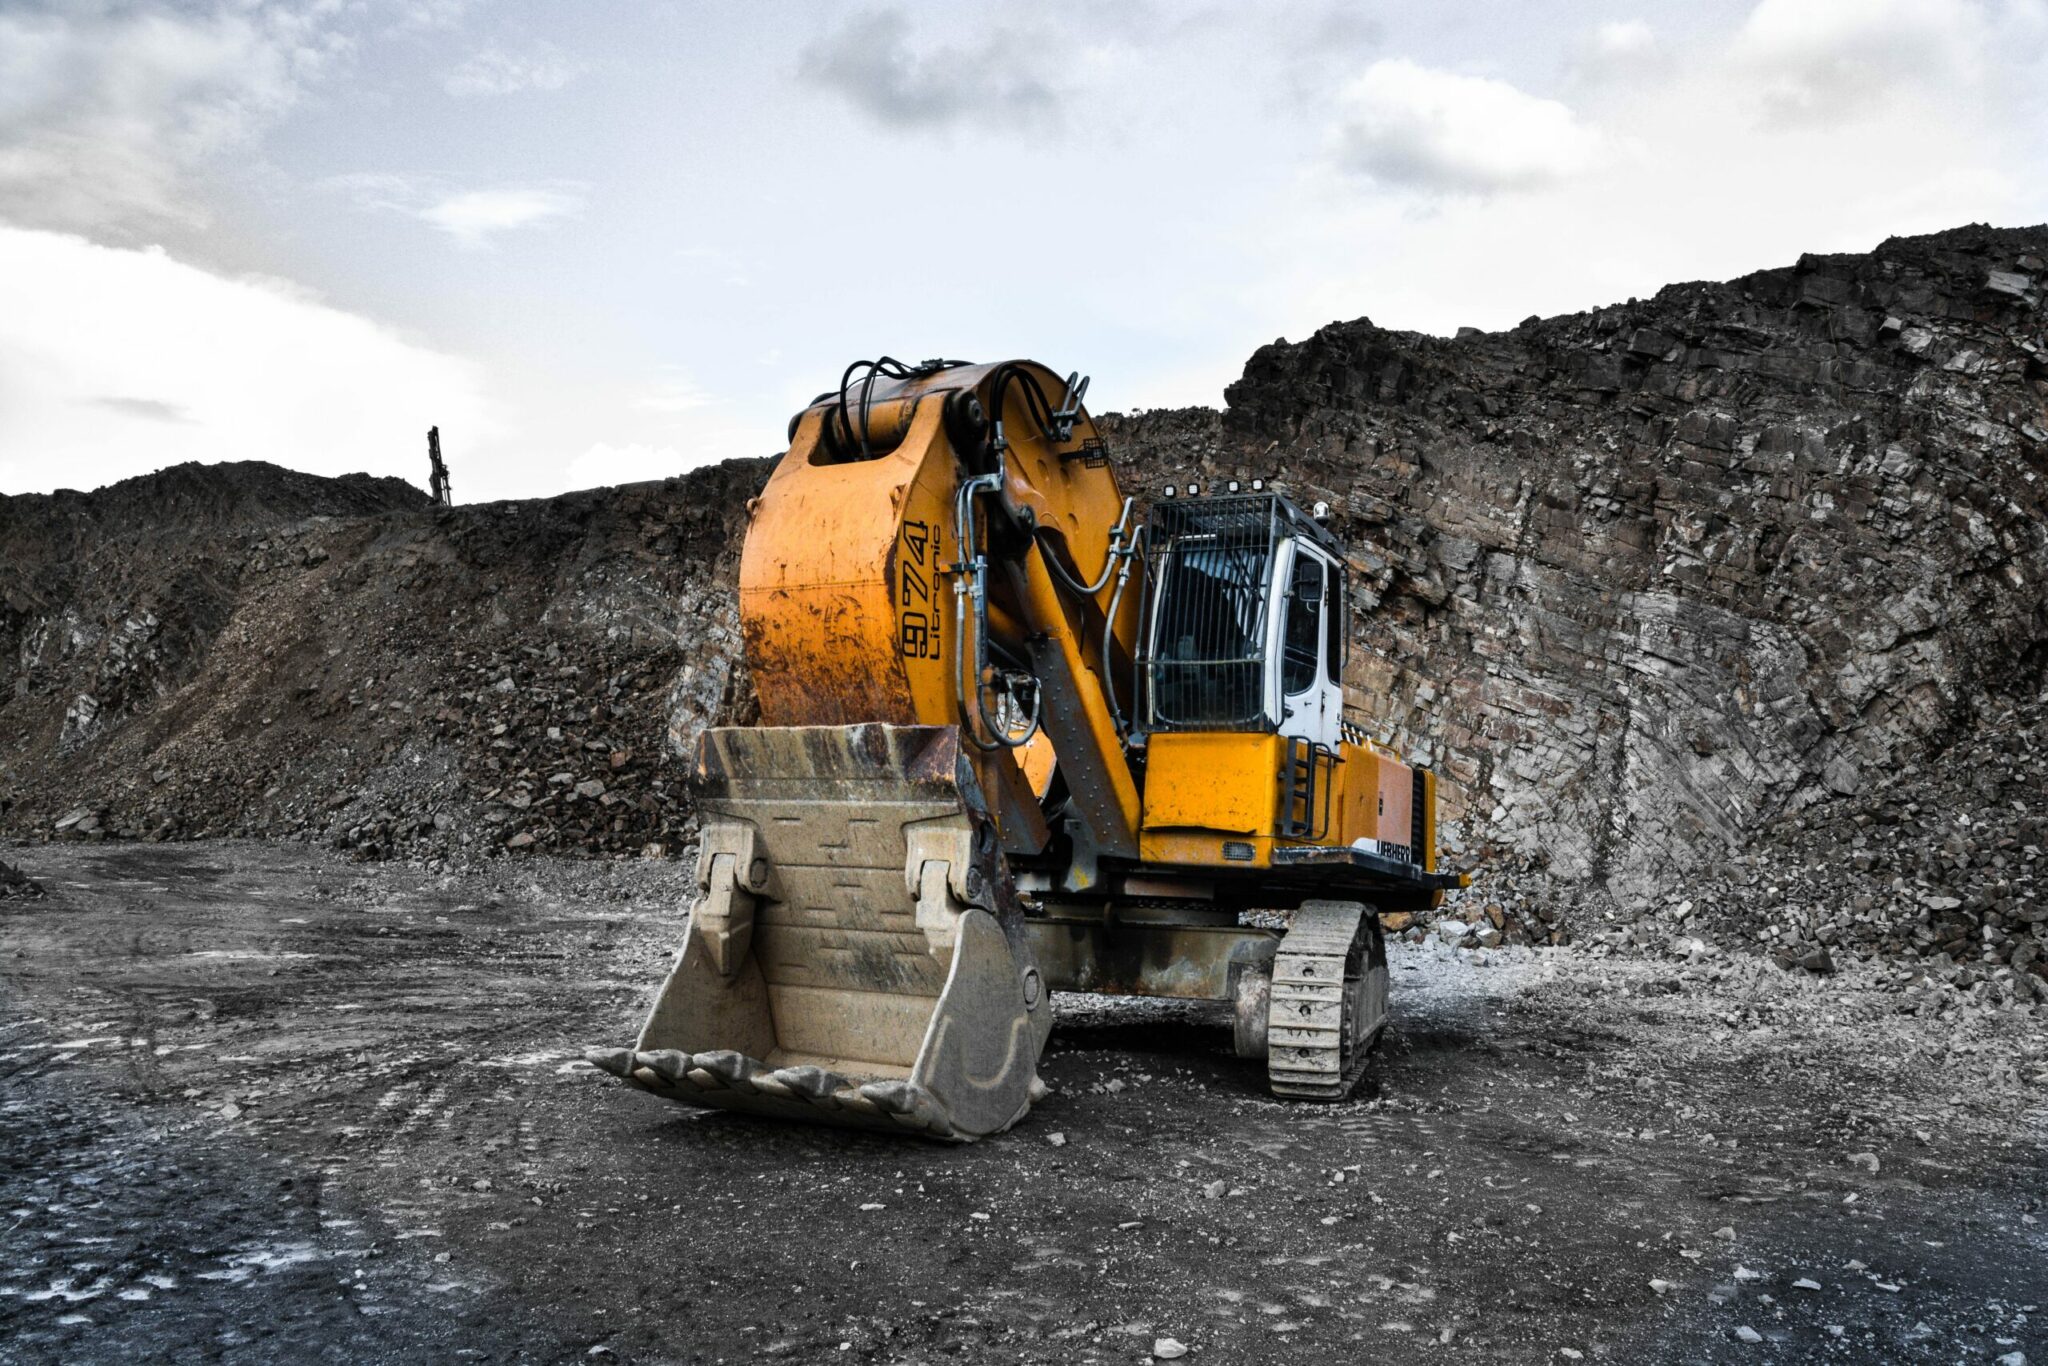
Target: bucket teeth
[
  {"x": 814, "y": 1084},
  {"x": 733, "y": 1070},
  {"x": 910, "y": 1105},
  {"x": 892, "y": 1097},
  {"x": 617, "y": 1061},
  {"x": 668, "y": 1064},
  {"x": 849, "y": 1098}
]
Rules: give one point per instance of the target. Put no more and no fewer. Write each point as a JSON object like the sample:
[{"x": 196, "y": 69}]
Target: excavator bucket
[{"x": 854, "y": 957}]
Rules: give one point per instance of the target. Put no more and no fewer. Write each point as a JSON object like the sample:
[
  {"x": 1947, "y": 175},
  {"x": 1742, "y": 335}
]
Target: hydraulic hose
[
  {"x": 973, "y": 582},
  {"x": 1116, "y": 711}
]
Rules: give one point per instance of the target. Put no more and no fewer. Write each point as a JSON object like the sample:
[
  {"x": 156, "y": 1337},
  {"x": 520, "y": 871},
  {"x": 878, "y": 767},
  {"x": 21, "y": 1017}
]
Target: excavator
[{"x": 1015, "y": 739}]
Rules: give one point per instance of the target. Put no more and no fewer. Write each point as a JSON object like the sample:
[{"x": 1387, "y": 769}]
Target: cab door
[{"x": 1311, "y": 634}]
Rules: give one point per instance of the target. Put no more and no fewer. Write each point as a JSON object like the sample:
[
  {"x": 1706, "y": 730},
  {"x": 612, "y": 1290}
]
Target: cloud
[
  {"x": 105, "y": 109},
  {"x": 1626, "y": 53},
  {"x": 1692, "y": 183},
  {"x": 148, "y": 409},
  {"x": 115, "y": 362},
  {"x": 1821, "y": 60},
  {"x": 1003, "y": 82},
  {"x": 1619, "y": 49},
  {"x": 495, "y": 71},
  {"x": 1341, "y": 30},
  {"x": 1623, "y": 39},
  {"x": 420, "y": 16},
  {"x": 673, "y": 393},
  {"x": 1418, "y": 128},
  {"x": 473, "y": 216}
]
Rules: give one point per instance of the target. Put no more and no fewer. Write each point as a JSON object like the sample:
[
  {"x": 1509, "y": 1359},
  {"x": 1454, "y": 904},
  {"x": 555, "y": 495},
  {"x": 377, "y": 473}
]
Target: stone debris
[
  {"x": 17, "y": 885},
  {"x": 243, "y": 650},
  {"x": 1168, "y": 1349}
]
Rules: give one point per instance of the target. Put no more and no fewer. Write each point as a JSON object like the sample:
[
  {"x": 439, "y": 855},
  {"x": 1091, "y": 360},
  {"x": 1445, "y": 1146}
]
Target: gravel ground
[{"x": 265, "y": 1104}]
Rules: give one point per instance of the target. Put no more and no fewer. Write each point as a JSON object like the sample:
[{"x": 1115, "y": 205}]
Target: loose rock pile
[
  {"x": 1941, "y": 867},
  {"x": 1937, "y": 877},
  {"x": 406, "y": 681},
  {"x": 17, "y": 885}
]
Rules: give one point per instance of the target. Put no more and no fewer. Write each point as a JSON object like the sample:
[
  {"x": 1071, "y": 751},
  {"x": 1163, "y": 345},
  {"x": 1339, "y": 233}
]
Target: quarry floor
[{"x": 264, "y": 1104}]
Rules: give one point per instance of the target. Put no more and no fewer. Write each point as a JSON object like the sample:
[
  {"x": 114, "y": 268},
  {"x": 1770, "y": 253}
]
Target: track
[{"x": 1329, "y": 1001}]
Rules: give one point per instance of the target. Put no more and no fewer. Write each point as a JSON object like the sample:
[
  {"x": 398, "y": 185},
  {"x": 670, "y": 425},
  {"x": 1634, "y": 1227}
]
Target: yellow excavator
[{"x": 1014, "y": 740}]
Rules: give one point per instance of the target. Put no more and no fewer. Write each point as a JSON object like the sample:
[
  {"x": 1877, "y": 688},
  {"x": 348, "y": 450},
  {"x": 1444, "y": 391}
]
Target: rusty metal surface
[{"x": 1122, "y": 958}]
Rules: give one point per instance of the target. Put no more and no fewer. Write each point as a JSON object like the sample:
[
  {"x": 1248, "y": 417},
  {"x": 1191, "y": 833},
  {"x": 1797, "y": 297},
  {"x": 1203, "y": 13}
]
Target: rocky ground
[{"x": 267, "y": 1103}]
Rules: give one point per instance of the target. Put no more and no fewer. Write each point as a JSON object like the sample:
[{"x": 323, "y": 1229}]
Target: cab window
[
  {"x": 1303, "y": 625},
  {"x": 1338, "y": 623}
]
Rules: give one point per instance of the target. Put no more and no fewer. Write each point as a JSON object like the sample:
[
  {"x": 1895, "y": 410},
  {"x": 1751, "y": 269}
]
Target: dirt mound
[{"x": 341, "y": 660}]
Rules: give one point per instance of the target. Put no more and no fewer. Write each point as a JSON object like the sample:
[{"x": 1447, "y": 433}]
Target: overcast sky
[{"x": 598, "y": 241}]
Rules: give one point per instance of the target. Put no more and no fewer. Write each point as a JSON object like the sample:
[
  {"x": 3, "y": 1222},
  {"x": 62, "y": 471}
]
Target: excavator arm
[{"x": 943, "y": 546}]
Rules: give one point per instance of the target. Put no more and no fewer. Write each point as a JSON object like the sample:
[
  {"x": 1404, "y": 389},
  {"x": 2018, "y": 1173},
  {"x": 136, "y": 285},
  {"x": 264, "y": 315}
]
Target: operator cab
[{"x": 1245, "y": 626}]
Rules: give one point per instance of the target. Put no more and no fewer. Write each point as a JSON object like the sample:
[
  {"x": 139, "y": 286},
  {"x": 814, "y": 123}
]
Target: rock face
[
  {"x": 1646, "y": 581},
  {"x": 1683, "y": 596}
]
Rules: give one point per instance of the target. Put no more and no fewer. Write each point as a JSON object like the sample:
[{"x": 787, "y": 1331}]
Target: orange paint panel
[
  {"x": 1397, "y": 802},
  {"x": 1224, "y": 781},
  {"x": 1191, "y": 849},
  {"x": 844, "y": 605}
]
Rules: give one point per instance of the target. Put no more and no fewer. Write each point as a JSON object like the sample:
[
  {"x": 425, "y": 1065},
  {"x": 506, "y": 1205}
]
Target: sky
[{"x": 597, "y": 241}]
